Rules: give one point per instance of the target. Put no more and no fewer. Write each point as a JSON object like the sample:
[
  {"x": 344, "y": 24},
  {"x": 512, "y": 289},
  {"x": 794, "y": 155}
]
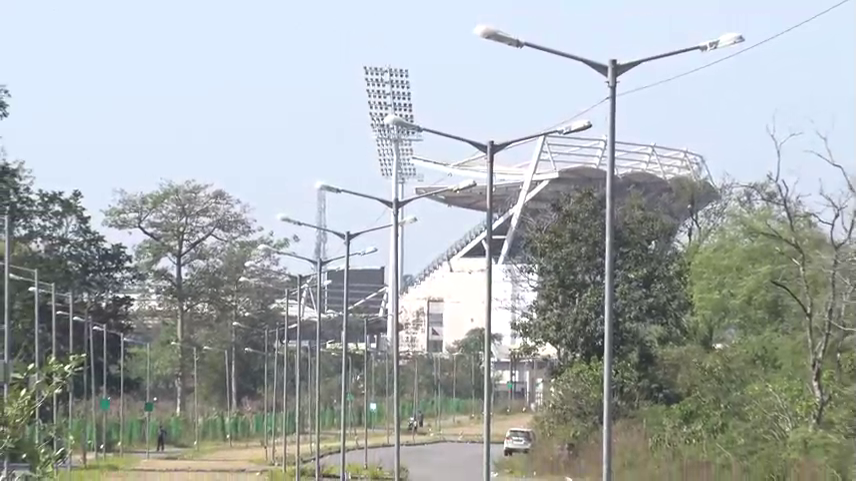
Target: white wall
[{"x": 460, "y": 284}]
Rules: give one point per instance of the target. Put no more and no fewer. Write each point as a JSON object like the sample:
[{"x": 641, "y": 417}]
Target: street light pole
[
  {"x": 69, "y": 437},
  {"x": 196, "y": 397},
  {"x": 148, "y": 395},
  {"x": 342, "y": 397},
  {"x": 297, "y": 463},
  {"x": 490, "y": 149},
  {"x": 346, "y": 237},
  {"x": 265, "y": 423},
  {"x": 285, "y": 387},
  {"x": 395, "y": 206},
  {"x": 104, "y": 390},
  {"x": 121, "y": 394},
  {"x": 273, "y": 403},
  {"x": 7, "y": 261},
  {"x": 611, "y": 70},
  {"x": 36, "y": 432},
  {"x": 55, "y": 404},
  {"x": 366, "y": 393}
]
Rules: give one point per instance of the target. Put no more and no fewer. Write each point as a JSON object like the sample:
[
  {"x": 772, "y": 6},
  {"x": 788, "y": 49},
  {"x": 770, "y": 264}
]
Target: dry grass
[{"x": 632, "y": 460}]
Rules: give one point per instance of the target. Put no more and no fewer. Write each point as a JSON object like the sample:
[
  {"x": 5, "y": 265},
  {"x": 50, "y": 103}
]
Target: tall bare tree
[
  {"x": 181, "y": 223},
  {"x": 816, "y": 234}
]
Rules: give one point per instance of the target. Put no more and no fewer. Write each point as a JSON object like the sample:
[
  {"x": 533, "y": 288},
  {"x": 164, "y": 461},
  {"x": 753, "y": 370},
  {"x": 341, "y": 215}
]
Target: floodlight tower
[
  {"x": 388, "y": 91},
  {"x": 321, "y": 234}
]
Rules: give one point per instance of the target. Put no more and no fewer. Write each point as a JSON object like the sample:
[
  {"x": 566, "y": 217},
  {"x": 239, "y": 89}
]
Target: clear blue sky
[{"x": 264, "y": 98}]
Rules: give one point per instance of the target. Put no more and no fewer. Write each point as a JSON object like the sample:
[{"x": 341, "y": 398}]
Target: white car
[{"x": 518, "y": 440}]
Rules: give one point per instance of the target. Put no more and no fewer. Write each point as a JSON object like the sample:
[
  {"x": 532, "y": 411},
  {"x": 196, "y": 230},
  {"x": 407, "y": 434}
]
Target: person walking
[{"x": 161, "y": 437}]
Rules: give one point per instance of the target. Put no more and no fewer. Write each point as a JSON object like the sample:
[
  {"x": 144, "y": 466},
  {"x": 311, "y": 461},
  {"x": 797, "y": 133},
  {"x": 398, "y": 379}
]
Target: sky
[{"x": 265, "y": 98}]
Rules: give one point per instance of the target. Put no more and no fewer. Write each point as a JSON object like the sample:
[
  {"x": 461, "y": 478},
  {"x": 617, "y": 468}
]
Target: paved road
[{"x": 441, "y": 461}]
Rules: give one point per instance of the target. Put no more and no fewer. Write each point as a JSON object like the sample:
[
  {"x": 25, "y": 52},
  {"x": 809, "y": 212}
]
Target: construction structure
[{"x": 446, "y": 299}]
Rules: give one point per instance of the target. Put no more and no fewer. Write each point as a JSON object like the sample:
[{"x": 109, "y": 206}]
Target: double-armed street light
[
  {"x": 320, "y": 265},
  {"x": 347, "y": 237},
  {"x": 612, "y": 69},
  {"x": 395, "y": 205},
  {"x": 490, "y": 149},
  {"x": 266, "y": 332}
]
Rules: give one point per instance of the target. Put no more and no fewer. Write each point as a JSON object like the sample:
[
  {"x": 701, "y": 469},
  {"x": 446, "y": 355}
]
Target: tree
[
  {"x": 816, "y": 238},
  {"x": 730, "y": 282},
  {"x": 180, "y": 224},
  {"x": 52, "y": 232},
  {"x": 563, "y": 257},
  {"x": 4, "y": 105},
  {"x": 472, "y": 344},
  {"x": 27, "y": 394}
]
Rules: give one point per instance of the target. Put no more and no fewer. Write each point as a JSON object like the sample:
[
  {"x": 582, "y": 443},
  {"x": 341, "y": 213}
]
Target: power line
[
  {"x": 727, "y": 57},
  {"x": 707, "y": 65}
]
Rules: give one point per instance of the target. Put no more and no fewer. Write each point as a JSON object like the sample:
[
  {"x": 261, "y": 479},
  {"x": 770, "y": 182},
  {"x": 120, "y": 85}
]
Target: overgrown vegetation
[{"x": 734, "y": 339}]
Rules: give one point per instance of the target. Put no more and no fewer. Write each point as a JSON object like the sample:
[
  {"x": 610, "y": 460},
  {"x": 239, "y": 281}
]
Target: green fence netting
[{"x": 245, "y": 426}]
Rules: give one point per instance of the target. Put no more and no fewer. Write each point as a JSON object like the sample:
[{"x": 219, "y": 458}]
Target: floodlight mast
[{"x": 388, "y": 91}]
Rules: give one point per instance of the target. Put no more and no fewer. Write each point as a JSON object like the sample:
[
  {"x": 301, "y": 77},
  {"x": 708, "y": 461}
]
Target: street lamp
[
  {"x": 347, "y": 237},
  {"x": 490, "y": 149},
  {"x": 181, "y": 345},
  {"x": 611, "y": 70},
  {"x": 395, "y": 205},
  {"x": 52, "y": 291},
  {"x": 88, "y": 326},
  {"x": 319, "y": 264},
  {"x": 266, "y": 331},
  {"x": 37, "y": 354}
]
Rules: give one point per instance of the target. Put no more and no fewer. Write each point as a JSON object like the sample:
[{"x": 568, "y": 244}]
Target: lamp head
[
  {"x": 284, "y": 218},
  {"x": 173, "y": 343},
  {"x": 327, "y": 187},
  {"x": 574, "y": 127},
  {"x": 31, "y": 289},
  {"x": 496, "y": 35},
  {"x": 726, "y": 40},
  {"x": 368, "y": 250},
  {"x": 264, "y": 248},
  {"x": 396, "y": 121},
  {"x": 244, "y": 279},
  {"x": 407, "y": 220},
  {"x": 78, "y": 319},
  {"x": 467, "y": 184}
]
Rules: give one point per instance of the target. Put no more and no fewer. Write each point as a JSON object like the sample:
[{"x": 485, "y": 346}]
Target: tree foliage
[
  {"x": 757, "y": 376},
  {"x": 181, "y": 224},
  {"x": 564, "y": 258}
]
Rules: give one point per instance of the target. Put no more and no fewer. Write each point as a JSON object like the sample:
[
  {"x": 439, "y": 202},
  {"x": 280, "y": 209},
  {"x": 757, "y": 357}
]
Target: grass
[
  {"x": 373, "y": 471},
  {"x": 95, "y": 469},
  {"x": 633, "y": 459}
]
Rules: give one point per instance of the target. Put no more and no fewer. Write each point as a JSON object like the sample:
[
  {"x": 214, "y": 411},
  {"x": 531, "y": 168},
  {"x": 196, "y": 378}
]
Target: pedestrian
[
  {"x": 420, "y": 418},
  {"x": 161, "y": 437}
]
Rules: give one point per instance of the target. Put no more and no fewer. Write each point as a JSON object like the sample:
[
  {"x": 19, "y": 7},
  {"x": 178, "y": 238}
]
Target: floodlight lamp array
[
  {"x": 385, "y": 155},
  {"x": 388, "y": 92}
]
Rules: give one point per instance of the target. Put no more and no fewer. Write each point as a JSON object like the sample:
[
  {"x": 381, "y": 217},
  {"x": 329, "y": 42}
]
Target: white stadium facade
[{"x": 445, "y": 300}]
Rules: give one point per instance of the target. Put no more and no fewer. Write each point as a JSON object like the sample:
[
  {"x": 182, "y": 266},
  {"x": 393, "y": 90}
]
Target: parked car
[{"x": 518, "y": 440}]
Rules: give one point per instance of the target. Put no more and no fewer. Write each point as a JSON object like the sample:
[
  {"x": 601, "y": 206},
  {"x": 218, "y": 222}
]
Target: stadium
[{"x": 446, "y": 299}]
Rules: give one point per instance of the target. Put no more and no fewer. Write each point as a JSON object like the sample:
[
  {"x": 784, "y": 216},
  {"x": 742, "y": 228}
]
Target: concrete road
[{"x": 441, "y": 461}]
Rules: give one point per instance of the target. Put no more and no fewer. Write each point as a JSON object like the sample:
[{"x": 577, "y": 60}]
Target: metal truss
[{"x": 556, "y": 156}]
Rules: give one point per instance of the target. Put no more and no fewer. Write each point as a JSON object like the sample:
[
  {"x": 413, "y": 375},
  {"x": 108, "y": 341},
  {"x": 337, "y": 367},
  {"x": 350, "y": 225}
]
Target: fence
[{"x": 215, "y": 427}]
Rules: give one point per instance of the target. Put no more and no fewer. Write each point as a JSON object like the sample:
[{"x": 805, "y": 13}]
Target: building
[{"x": 446, "y": 299}]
